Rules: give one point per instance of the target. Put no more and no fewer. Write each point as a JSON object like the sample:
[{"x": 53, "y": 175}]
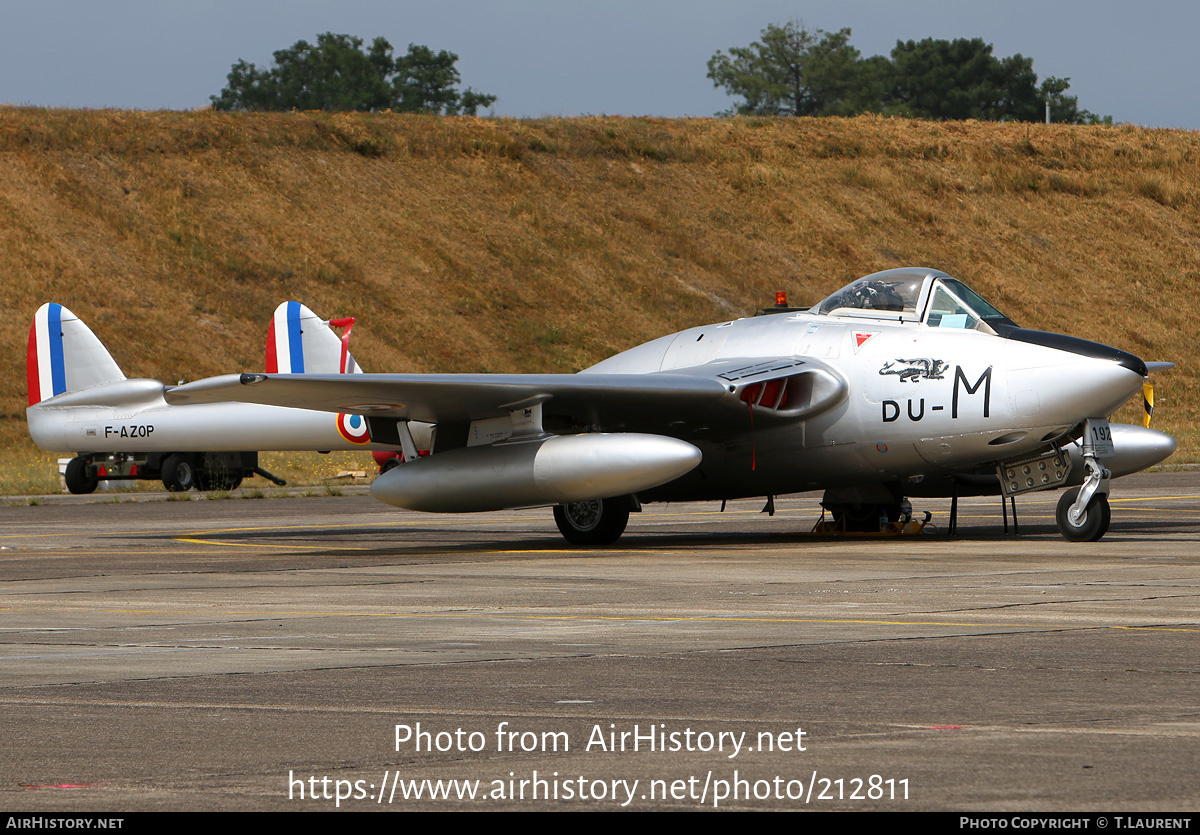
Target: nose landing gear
[{"x": 1083, "y": 513}]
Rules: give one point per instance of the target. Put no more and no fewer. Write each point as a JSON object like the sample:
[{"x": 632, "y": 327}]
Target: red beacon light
[{"x": 781, "y": 298}]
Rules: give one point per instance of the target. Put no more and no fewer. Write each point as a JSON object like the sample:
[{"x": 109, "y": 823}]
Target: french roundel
[{"x": 353, "y": 428}]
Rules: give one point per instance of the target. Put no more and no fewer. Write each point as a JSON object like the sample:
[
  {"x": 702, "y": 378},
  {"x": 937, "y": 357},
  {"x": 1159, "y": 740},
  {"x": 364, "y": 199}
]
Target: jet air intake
[{"x": 528, "y": 473}]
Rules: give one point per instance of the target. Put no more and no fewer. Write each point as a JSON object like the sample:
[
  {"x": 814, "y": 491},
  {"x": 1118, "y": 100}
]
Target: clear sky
[{"x": 1135, "y": 61}]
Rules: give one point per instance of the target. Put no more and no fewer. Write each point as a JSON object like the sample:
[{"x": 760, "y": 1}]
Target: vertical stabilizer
[
  {"x": 64, "y": 355},
  {"x": 300, "y": 342}
]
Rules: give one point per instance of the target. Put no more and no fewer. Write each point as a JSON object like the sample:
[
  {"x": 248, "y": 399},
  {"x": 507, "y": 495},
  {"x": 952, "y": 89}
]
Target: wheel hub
[{"x": 584, "y": 515}]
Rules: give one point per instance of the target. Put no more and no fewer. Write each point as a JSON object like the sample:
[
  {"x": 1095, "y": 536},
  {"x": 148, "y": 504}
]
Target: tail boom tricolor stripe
[
  {"x": 300, "y": 342},
  {"x": 285, "y": 342},
  {"x": 295, "y": 340},
  {"x": 272, "y": 364},
  {"x": 44, "y": 365}
]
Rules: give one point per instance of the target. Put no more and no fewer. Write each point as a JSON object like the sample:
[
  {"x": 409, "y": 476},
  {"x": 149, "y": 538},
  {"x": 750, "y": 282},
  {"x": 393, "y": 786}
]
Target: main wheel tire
[
  {"x": 592, "y": 522},
  {"x": 178, "y": 474},
  {"x": 1094, "y": 523},
  {"x": 79, "y": 477}
]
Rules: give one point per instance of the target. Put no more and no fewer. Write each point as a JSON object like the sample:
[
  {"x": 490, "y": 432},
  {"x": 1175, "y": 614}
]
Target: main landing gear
[
  {"x": 593, "y": 522},
  {"x": 870, "y": 518},
  {"x": 865, "y": 509}
]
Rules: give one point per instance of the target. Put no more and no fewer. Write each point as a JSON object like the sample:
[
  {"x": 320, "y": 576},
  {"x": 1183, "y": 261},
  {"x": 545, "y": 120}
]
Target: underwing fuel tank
[
  {"x": 561, "y": 468},
  {"x": 1136, "y": 448}
]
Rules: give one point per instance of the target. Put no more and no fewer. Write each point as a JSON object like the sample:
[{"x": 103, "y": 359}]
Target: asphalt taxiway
[{"x": 249, "y": 654}]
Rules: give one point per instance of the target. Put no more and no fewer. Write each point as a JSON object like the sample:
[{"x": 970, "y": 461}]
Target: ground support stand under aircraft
[{"x": 179, "y": 471}]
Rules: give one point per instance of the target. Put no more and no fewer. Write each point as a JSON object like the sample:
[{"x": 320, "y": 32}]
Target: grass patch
[
  {"x": 1158, "y": 190},
  {"x": 26, "y": 470}
]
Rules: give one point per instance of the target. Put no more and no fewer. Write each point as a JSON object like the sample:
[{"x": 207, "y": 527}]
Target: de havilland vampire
[{"x": 904, "y": 383}]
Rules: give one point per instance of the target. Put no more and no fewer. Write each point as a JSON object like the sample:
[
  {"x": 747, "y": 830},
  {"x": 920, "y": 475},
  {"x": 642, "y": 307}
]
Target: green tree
[
  {"x": 962, "y": 79},
  {"x": 338, "y": 74},
  {"x": 793, "y": 72}
]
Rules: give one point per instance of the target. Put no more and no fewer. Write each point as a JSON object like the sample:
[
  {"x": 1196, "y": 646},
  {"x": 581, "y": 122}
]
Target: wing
[{"x": 714, "y": 395}]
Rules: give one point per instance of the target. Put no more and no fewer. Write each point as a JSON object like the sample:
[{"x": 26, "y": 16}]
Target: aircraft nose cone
[
  {"x": 1131, "y": 361},
  {"x": 1135, "y": 364},
  {"x": 1075, "y": 345},
  {"x": 1109, "y": 385},
  {"x": 1077, "y": 378},
  {"x": 1075, "y": 390}
]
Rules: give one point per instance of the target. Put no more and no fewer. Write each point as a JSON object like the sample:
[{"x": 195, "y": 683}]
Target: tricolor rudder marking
[
  {"x": 285, "y": 345},
  {"x": 44, "y": 365}
]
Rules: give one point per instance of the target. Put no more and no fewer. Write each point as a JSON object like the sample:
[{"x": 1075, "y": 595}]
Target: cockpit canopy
[{"x": 912, "y": 294}]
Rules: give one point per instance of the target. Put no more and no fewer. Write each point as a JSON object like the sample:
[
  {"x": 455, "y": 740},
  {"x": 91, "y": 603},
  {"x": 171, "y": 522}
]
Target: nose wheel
[
  {"x": 1083, "y": 513},
  {"x": 1087, "y": 526}
]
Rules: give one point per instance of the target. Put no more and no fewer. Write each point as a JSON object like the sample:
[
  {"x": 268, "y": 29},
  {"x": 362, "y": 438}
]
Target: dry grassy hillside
[{"x": 482, "y": 245}]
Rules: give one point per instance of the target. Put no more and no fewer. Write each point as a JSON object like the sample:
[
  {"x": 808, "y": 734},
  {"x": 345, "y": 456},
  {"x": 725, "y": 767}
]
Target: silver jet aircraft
[{"x": 904, "y": 383}]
